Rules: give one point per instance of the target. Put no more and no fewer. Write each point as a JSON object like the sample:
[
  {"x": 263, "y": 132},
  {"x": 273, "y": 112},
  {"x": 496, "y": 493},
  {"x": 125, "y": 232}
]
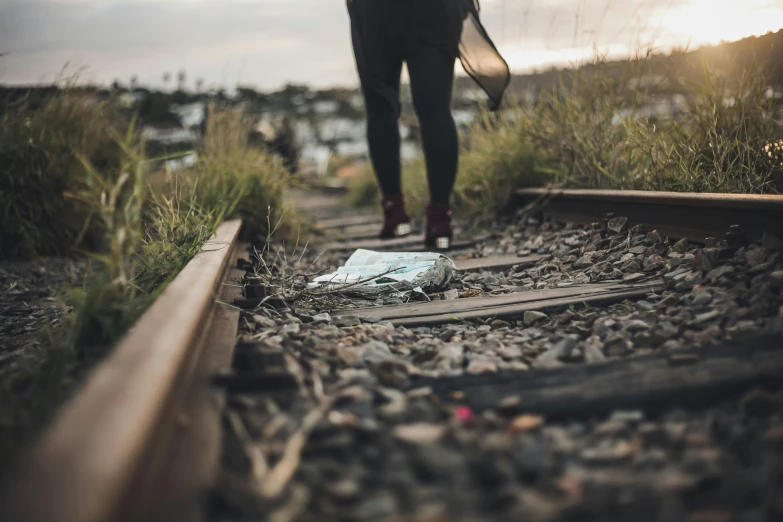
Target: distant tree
[
  {"x": 292, "y": 94},
  {"x": 182, "y": 77},
  {"x": 166, "y": 79},
  {"x": 116, "y": 85},
  {"x": 199, "y": 85},
  {"x": 134, "y": 82}
]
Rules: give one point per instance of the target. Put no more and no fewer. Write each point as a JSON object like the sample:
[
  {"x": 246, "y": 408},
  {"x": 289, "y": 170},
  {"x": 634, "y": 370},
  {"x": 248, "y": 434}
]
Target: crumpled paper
[{"x": 371, "y": 274}]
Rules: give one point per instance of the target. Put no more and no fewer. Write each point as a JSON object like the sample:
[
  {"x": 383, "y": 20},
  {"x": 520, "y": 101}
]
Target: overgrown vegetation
[
  {"x": 597, "y": 131},
  {"x": 40, "y": 170},
  {"x": 145, "y": 227}
]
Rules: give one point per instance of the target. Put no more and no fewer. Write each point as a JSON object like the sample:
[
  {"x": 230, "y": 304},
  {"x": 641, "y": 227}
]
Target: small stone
[
  {"x": 525, "y": 423},
  {"x": 450, "y": 295},
  {"x": 291, "y": 328},
  {"x": 627, "y": 416},
  {"x": 510, "y": 403},
  {"x": 617, "y": 346},
  {"x": 347, "y": 321},
  {"x": 510, "y": 352},
  {"x": 420, "y": 433},
  {"x": 633, "y": 278},
  {"x": 759, "y": 403},
  {"x": 706, "y": 317},
  {"x": 532, "y": 317},
  {"x": 607, "y": 455},
  {"x": 264, "y": 321},
  {"x": 450, "y": 357},
  {"x": 583, "y": 262},
  {"x": 344, "y": 489},
  {"x": 552, "y": 357},
  {"x": 701, "y": 297},
  {"x": 618, "y": 225},
  {"x": 479, "y": 366},
  {"x": 717, "y": 273},
  {"x": 447, "y": 334},
  {"x": 322, "y": 318},
  {"x": 669, "y": 300},
  {"x": 592, "y": 351},
  {"x": 681, "y": 246},
  {"x": 755, "y": 257},
  {"x": 350, "y": 355},
  {"x": 637, "y": 325}
]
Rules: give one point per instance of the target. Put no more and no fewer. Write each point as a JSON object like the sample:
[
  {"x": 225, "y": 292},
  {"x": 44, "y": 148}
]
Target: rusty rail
[
  {"x": 675, "y": 214},
  {"x": 94, "y": 462}
]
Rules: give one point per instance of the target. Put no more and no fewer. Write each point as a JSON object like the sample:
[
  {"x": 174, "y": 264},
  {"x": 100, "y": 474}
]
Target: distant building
[{"x": 191, "y": 114}]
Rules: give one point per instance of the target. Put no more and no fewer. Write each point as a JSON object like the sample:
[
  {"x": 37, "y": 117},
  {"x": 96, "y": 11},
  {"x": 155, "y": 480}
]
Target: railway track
[{"x": 151, "y": 428}]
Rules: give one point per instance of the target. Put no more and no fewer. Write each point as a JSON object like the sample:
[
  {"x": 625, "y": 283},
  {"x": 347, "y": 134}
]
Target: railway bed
[{"x": 572, "y": 372}]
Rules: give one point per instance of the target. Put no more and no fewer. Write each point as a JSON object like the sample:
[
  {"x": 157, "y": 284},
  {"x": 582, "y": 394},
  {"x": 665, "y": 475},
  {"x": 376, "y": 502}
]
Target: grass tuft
[{"x": 596, "y": 130}]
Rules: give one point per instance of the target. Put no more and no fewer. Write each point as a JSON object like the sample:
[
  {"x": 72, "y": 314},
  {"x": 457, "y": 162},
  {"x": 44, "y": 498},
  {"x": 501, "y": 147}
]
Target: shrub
[{"x": 40, "y": 169}]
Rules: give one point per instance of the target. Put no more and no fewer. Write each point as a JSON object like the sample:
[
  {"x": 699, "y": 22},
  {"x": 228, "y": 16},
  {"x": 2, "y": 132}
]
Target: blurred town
[{"x": 322, "y": 132}]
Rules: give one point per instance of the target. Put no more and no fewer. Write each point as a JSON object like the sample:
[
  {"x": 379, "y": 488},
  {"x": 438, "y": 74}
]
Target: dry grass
[
  {"x": 143, "y": 238},
  {"x": 591, "y": 131}
]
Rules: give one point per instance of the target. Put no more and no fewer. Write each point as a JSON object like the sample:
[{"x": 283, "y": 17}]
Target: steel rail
[
  {"x": 674, "y": 214},
  {"x": 93, "y": 462}
]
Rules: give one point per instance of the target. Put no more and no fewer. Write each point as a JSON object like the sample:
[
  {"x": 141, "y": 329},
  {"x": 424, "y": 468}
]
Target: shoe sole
[{"x": 402, "y": 230}]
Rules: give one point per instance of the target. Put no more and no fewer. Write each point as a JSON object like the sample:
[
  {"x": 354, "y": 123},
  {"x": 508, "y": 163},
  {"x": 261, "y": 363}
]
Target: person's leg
[
  {"x": 432, "y": 79},
  {"x": 383, "y": 136},
  {"x": 379, "y": 67}
]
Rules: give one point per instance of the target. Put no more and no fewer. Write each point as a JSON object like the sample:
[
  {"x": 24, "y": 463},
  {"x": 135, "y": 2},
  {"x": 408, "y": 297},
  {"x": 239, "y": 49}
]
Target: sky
[{"x": 268, "y": 43}]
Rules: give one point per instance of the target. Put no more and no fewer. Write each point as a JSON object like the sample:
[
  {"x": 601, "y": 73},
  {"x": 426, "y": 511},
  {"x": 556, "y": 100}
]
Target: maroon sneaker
[
  {"x": 396, "y": 222},
  {"x": 438, "y": 233}
]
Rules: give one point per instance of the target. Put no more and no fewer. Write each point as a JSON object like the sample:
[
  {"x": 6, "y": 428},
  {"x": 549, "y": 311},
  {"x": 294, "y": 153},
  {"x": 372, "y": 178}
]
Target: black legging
[{"x": 431, "y": 68}]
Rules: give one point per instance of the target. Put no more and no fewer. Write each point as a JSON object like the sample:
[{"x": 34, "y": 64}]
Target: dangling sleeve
[{"x": 481, "y": 59}]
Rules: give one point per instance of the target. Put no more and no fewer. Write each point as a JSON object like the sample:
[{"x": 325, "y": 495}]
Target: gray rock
[
  {"x": 701, "y": 297},
  {"x": 585, "y": 261},
  {"x": 264, "y": 321},
  {"x": 532, "y": 317},
  {"x": 450, "y": 295},
  {"x": 322, "y": 318},
  {"x": 592, "y": 351},
  {"x": 618, "y": 225},
  {"x": 510, "y": 352},
  {"x": 706, "y": 317},
  {"x": 716, "y": 273},
  {"x": 617, "y": 345},
  {"x": 627, "y": 416},
  {"x": 681, "y": 245},
  {"x": 559, "y": 352},
  {"x": 451, "y": 356},
  {"x": 633, "y": 278},
  {"x": 291, "y": 328},
  {"x": 345, "y": 321},
  {"x": 755, "y": 257},
  {"x": 479, "y": 366},
  {"x": 637, "y": 325},
  {"x": 607, "y": 455}
]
